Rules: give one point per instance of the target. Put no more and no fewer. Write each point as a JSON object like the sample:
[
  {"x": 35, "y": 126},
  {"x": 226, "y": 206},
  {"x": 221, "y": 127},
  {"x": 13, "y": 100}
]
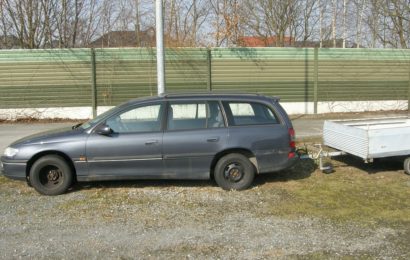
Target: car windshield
[{"x": 97, "y": 119}]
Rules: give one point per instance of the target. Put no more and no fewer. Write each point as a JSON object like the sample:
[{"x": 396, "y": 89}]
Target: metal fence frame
[{"x": 70, "y": 77}]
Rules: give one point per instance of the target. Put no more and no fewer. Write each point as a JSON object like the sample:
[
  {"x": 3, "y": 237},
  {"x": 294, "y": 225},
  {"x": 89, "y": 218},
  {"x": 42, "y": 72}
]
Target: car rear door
[{"x": 195, "y": 133}]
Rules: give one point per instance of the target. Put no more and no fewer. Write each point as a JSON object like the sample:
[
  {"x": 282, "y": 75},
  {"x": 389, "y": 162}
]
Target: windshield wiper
[{"x": 76, "y": 126}]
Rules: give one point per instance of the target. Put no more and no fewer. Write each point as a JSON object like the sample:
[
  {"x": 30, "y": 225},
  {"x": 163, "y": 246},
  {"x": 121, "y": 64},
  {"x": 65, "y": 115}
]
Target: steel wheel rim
[
  {"x": 51, "y": 176},
  {"x": 234, "y": 172}
]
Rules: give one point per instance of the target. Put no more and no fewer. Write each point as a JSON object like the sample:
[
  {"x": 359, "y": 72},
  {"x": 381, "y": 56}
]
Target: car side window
[
  {"x": 140, "y": 119},
  {"x": 249, "y": 113},
  {"x": 194, "y": 115}
]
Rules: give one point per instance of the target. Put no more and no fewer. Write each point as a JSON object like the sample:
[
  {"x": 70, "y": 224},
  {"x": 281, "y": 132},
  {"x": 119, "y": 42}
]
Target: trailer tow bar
[{"x": 317, "y": 153}]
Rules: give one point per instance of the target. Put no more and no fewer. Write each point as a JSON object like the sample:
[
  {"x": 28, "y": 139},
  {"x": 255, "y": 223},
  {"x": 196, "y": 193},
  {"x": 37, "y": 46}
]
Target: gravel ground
[
  {"x": 175, "y": 220},
  {"x": 193, "y": 219}
]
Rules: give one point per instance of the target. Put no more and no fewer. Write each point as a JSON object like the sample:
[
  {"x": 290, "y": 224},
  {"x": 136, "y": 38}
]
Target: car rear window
[{"x": 249, "y": 113}]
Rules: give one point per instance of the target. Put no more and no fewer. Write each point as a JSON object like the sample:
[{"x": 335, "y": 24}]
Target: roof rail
[{"x": 200, "y": 92}]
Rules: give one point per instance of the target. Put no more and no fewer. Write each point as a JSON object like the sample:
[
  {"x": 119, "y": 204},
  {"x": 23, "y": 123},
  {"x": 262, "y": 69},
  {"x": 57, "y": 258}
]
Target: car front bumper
[{"x": 13, "y": 169}]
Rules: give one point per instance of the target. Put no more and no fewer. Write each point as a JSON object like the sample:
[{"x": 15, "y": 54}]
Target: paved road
[
  {"x": 308, "y": 127},
  {"x": 12, "y": 132}
]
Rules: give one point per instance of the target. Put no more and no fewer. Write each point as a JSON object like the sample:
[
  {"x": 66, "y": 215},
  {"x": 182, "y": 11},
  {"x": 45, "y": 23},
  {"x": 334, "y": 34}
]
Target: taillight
[
  {"x": 292, "y": 138},
  {"x": 292, "y": 144}
]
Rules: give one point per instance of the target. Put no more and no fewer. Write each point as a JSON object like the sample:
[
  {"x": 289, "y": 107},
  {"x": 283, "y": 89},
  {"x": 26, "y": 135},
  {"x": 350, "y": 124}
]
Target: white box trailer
[{"x": 368, "y": 139}]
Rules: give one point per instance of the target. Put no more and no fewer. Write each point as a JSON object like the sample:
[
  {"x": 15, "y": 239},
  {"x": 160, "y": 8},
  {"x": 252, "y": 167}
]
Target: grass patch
[
  {"x": 10, "y": 183},
  {"x": 3, "y": 179},
  {"x": 349, "y": 194}
]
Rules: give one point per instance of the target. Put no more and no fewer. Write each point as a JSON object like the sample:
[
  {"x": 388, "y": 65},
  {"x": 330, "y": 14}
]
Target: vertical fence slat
[
  {"x": 209, "y": 69},
  {"x": 93, "y": 84},
  {"x": 408, "y": 94}
]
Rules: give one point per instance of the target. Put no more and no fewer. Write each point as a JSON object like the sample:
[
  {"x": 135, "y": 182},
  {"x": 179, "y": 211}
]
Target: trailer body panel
[{"x": 369, "y": 138}]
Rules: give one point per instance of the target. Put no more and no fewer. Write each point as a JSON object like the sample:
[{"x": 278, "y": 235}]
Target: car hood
[{"x": 52, "y": 136}]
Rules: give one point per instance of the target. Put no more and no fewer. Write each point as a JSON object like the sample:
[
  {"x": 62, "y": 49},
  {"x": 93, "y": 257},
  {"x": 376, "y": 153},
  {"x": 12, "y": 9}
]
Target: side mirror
[{"x": 103, "y": 130}]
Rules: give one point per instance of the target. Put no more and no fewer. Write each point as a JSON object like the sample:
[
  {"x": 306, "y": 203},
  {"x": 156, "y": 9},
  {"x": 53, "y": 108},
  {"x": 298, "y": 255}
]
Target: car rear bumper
[
  {"x": 13, "y": 170},
  {"x": 279, "y": 167},
  {"x": 290, "y": 162}
]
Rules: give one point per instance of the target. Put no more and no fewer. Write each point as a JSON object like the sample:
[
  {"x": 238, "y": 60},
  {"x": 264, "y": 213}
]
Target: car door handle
[
  {"x": 213, "y": 139},
  {"x": 151, "y": 142}
]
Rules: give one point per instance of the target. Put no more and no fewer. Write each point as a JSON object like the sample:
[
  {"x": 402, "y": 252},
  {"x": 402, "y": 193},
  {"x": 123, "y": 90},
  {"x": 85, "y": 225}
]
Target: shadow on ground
[
  {"x": 377, "y": 166},
  {"x": 301, "y": 170}
]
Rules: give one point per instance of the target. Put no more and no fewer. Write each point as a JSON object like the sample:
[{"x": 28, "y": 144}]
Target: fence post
[
  {"x": 316, "y": 79},
  {"x": 209, "y": 69},
  {"x": 408, "y": 93},
  {"x": 93, "y": 83}
]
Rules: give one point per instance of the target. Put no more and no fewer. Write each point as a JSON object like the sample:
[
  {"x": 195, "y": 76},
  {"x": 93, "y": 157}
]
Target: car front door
[
  {"x": 133, "y": 149},
  {"x": 195, "y": 133}
]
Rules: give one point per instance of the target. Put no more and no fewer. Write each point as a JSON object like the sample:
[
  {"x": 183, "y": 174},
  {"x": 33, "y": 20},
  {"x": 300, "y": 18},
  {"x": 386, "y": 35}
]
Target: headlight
[{"x": 10, "y": 152}]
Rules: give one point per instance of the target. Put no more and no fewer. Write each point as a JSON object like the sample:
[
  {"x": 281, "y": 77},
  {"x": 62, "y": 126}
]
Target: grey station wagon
[{"x": 198, "y": 136}]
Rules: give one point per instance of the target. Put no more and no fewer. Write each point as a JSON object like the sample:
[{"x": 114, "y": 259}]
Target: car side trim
[
  {"x": 124, "y": 160},
  {"x": 15, "y": 163},
  {"x": 193, "y": 156}
]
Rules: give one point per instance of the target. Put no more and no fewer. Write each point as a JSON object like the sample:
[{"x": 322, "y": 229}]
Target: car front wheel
[
  {"x": 234, "y": 172},
  {"x": 51, "y": 175}
]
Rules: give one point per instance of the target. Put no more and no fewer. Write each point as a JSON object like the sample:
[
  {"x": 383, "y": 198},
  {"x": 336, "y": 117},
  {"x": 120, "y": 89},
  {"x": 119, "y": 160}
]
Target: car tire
[
  {"x": 234, "y": 172},
  {"x": 51, "y": 175},
  {"x": 406, "y": 165}
]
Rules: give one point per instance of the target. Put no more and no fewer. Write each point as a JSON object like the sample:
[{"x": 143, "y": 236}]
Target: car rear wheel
[
  {"x": 234, "y": 172},
  {"x": 51, "y": 175}
]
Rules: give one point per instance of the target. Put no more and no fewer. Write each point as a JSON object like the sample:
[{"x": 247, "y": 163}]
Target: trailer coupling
[{"x": 317, "y": 153}]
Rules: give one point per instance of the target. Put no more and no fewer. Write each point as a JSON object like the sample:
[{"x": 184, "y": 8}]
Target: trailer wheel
[{"x": 406, "y": 165}]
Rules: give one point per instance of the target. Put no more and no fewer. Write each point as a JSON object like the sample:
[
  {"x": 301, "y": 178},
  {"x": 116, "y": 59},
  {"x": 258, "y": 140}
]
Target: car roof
[{"x": 205, "y": 95}]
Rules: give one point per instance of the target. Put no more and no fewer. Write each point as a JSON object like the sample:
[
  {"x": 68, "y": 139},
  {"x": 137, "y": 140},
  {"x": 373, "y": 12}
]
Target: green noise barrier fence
[{"x": 107, "y": 77}]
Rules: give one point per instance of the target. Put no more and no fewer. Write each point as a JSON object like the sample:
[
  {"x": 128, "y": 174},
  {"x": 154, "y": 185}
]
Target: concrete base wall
[
  {"x": 343, "y": 106},
  {"x": 290, "y": 107}
]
